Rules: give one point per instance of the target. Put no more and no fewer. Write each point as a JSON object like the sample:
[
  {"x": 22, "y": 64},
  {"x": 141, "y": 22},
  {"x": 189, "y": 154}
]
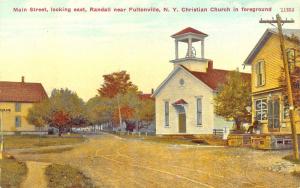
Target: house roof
[
  {"x": 188, "y": 30},
  {"x": 145, "y": 96},
  {"x": 267, "y": 34},
  {"x": 21, "y": 92},
  {"x": 180, "y": 101},
  {"x": 215, "y": 77}
]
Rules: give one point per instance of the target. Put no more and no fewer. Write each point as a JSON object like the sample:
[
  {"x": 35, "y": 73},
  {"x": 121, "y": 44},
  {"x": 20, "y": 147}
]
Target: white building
[{"x": 184, "y": 100}]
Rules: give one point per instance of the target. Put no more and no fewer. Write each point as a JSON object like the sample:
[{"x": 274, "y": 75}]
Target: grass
[
  {"x": 32, "y": 141},
  {"x": 12, "y": 172},
  {"x": 50, "y": 150},
  {"x": 211, "y": 140},
  {"x": 60, "y": 176},
  {"x": 296, "y": 173},
  {"x": 163, "y": 139},
  {"x": 291, "y": 158},
  {"x": 208, "y": 139}
]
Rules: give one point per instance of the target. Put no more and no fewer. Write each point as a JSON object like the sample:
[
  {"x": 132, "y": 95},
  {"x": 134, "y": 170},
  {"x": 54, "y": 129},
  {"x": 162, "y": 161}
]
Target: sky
[{"x": 74, "y": 50}]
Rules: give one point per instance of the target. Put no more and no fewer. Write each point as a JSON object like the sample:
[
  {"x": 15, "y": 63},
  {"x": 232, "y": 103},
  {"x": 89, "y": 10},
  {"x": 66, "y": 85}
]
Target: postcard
[{"x": 148, "y": 93}]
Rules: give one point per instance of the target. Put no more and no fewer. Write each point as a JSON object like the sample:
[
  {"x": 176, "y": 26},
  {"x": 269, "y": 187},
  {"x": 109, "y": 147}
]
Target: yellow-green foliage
[
  {"x": 12, "y": 172},
  {"x": 60, "y": 176},
  {"x": 233, "y": 97}
]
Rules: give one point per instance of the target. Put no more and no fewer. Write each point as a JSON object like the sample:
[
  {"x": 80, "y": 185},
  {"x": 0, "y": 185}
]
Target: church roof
[
  {"x": 21, "y": 92},
  {"x": 213, "y": 78},
  {"x": 188, "y": 30}
]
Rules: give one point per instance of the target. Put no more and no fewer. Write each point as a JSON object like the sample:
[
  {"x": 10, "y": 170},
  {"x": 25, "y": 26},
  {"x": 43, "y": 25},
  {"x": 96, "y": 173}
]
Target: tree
[
  {"x": 100, "y": 109},
  {"x": 295, "y": 82},
  {"x": 116, "y": 83},
  {"x": 38, "y": 114},
  {"x": 62, "y": 110},
  {"x": 115, "y": 86},
  {"x": 233, "y": 97},
  {"x": 146, "y": 110}
]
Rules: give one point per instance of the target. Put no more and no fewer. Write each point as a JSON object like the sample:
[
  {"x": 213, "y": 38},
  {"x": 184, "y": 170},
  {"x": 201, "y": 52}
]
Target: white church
[{"x": 184, "y": 101}]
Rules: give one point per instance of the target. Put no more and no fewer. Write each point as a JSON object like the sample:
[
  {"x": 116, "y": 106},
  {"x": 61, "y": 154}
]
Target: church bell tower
[{"x": 192, "y": 60}]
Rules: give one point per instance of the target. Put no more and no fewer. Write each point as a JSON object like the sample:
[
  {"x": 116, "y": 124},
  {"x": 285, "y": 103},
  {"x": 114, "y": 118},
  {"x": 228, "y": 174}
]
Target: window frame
[
  {"x": 199, "y": 112},
  {"x": 260, "y": 71},
  {"x": 18, "y": 107},
  {"x": 289, "y": 60},
  {"x": 18, "y": 121},
  {"x": 166, "y": 114},
  {"x": 285, "y": 108},
  {"x": 261, "y": 109}
]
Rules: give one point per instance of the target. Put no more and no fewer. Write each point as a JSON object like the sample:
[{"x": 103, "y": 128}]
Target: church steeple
[{"x": 190, "y": 36}]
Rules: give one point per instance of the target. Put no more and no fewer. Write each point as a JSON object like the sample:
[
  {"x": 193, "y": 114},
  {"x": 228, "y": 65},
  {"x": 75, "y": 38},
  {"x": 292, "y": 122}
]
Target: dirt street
[{"x": 114, "y": 162}]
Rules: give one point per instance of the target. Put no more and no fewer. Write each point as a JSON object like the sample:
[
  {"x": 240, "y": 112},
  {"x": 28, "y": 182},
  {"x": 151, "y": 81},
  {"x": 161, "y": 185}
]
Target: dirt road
[
  {"x": 36, "y": 175},
  {"x": 114, "y": 162}
]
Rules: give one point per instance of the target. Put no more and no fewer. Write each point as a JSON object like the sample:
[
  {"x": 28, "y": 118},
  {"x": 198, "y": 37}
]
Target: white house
[{"x": 184, "y": 100}]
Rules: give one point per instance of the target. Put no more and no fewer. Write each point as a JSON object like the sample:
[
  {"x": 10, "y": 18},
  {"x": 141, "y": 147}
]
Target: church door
[{"x": 182, "y": 122}]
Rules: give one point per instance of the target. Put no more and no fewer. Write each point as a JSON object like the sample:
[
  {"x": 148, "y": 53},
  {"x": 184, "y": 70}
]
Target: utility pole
[{"x": 292, "y": 113}]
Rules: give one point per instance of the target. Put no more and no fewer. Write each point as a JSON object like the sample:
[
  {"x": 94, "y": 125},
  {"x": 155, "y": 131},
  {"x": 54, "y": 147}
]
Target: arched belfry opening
[{"x": 191, "y": 37}]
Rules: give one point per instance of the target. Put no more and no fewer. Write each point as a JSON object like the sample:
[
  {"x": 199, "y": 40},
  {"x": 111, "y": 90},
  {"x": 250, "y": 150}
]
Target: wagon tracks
[{"x": 158, "y": 170}]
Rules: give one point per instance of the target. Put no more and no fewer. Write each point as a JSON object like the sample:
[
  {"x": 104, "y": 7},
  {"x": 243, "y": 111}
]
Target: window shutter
[
  {"x": 257, "y": 73},
  {"x": 263, "y": 73}
]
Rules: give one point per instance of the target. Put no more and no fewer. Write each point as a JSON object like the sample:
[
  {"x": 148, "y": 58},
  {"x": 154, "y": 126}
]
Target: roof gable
[
  {"x": 171, "y": 75},
  {"x": 265, "y": 37},
  {"x": 213, "y": 78},
  {"x": 21, "y": 92},
  {"x": 188, "y": 30}
]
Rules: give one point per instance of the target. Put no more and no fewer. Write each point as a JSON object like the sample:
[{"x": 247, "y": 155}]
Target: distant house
[
  {"x": 18, "y": 98},
  {"x": 269, "y": 105},
  {"x": 184, "y": 101}
]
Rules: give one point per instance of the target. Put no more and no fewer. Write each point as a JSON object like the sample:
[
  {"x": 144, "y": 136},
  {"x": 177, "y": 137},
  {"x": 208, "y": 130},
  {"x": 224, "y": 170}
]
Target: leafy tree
[
  {"x": 62, "y": 110},
  {"x": 116, "y": 83},
  {"x": 38, "y": 115},
  {"x": 146, "y": 110},
  {"x": 100, "y": 109},
  {"x": 295, "y": 83},
  {"x": 233, "y": 98}
]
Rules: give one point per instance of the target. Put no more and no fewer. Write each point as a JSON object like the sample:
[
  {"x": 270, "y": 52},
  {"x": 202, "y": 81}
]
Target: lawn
[
  {"x": 205, "y": 139},
  {"x": 32, "y": 141},
  {"x": 12, "y": 172},
  {"x": 291, "y": 158},
  {"x": 60, "y": 176}
]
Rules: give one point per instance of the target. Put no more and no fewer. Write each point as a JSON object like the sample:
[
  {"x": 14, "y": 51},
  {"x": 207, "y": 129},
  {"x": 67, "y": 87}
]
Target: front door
[{"x": 182, "y": 123}]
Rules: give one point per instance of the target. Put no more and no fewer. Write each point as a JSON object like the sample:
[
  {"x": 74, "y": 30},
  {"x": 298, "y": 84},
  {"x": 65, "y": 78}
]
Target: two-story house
[
  {"x": 17, "y": 98},
  {"x": 269, "y": 105}
]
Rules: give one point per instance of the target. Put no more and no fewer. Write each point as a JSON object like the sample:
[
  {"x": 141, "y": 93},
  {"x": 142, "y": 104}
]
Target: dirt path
[
  {"x": 36, "y": 175},
  {"x": 114, "y": 162}
]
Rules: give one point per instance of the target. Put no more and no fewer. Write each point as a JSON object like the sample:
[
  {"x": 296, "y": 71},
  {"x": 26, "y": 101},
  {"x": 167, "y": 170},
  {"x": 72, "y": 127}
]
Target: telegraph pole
[{"x": 292, "y": 113}]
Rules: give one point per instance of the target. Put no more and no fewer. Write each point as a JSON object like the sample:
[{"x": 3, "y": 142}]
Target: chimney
[
  {"x": 210, "y": 66},
  {"x": 23, "y": 79},
  {"x": 152, "y": 91}
]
